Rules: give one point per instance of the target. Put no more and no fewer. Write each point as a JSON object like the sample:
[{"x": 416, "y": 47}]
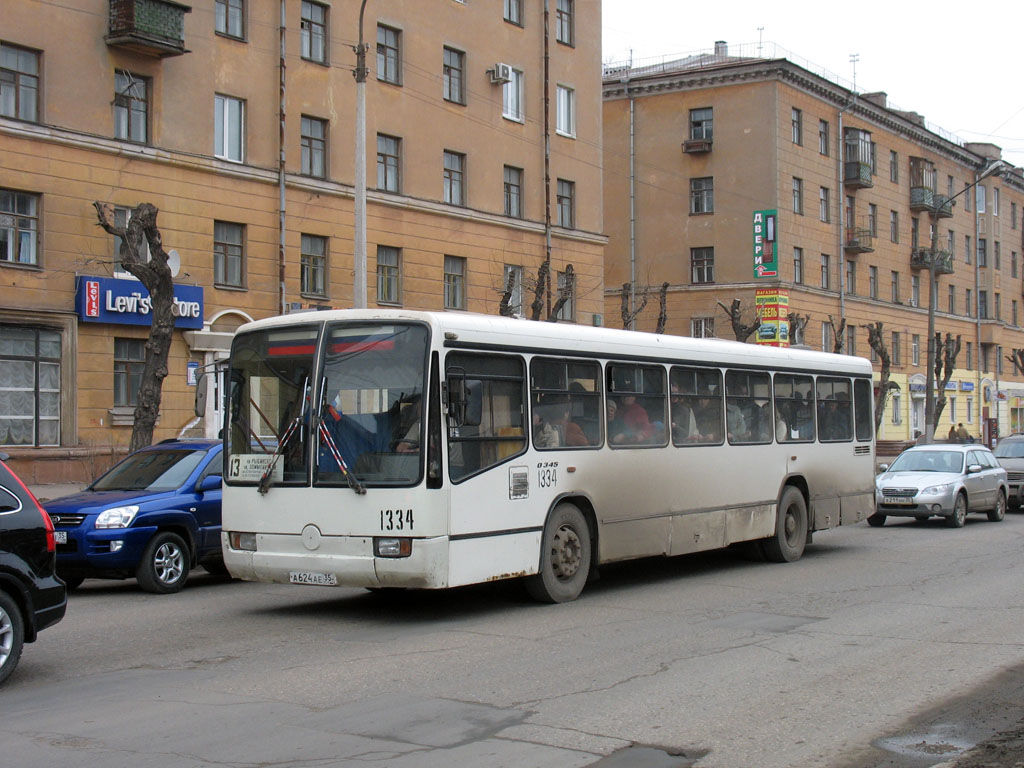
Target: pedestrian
[
  {"x": 961, "y": 433},
  {"x": 951, "y": 437}
]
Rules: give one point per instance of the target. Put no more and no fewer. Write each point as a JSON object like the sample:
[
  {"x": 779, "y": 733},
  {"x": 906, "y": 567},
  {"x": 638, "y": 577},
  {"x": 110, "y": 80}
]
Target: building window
[
  {"x": 872, "y": 219},
  {"x": 513, "y": 283},
  {"x": 897, "y": 356},
  {"x": 983, "y": 304},
  {"x": 968, "y": 302},
  {"x": 982, "y": 252},
  {"x": 29, "y": 386},
  {"x": 798, "y": 265},
  {"x": 873, "y": 282},
  {"x": 19, "y": 227},
  {"x": 824, "y": 205},
  {"x": 228, "y": 128},
  {"x": 702, "y": 327},
  {"x": 229, "y": 254},
  {"x": 567, "y": 283},
  {"x": 19, "y": 83},
  {"x": 454, "y": 282},
  {"x": 999, "y": 307},
  {"x": 970, "y": 409},
  {"x": 454, "y": 174},
  {"x": 566, "y": 203},
  {"x": 851, "y": 340},
  {"x": 798, "y": 196},
  {"x": 230, "y": 18},
  {"x": 952, "y": 300},
  {"x": 995, "y": 203},
  {"x": 314, "y": 147},
  {"x": 702, "y": 195},
  {"x": 826, "y": 270},
  {"x": 873, "y": 149},
  {"x": 702, "y": 265},
  {"x": 851, "y": 277},
  {"x": 981, "y": 197},
  {"x": 1013, "y": 215},
  {"x": 1013, "y": 263},
  {"x": 797, "y": 118},
  {"x": 915, "y": 290},
  {"x": 915, "y": 233},
  {"x": 823, "y": 139},
  {"x": 314, "y": 32},
  {"x": 389, "y": 55},
  {"x": 514, "y": 11},
  {"x": 897, "y": 408},
  {"x": 129, "y": 360},
  {"x": 512, "y": 96},
  {"x": 967, "y": 249},
  {"x": 894, "y": 226},
  {"x": 967, "y": 197},
  {"x": 389, "y": 275},
  {"x": 314, "y": 265},
  {"x": 997, "y": 257},
  {"x": 513, "y": 192},
  {"x": 951, "y": 244},
  {"x": 1013, "y": 312},
  {"x": 826, "y": 337},
  {"x": 388, "y": 148},
  {"x": 701, "y": 124},
  {"x": 894, "y": 166},
  {"x": 915, "y": 349},
  {"x": 894, "y": 282},
  {"x": 969, "y": 356},
  {"x": 564, "y": 22},
  {"x": 131, "y": 107},
  {"x": 453, "y": 75},
  {"x": 566, "y": 111},
  {"x": 952, "y": 410}
]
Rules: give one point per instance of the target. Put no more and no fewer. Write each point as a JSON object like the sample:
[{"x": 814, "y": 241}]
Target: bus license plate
[
  {"x": 312, "y": 577},
  {"x": 900, "y": 500},
  {"x": 60, "y": 537}
]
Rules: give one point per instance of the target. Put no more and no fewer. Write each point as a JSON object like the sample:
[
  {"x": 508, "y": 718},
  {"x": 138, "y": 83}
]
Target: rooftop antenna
[
  {"x": 854, "y": 58},
  {"x": 759, "y": 31}
]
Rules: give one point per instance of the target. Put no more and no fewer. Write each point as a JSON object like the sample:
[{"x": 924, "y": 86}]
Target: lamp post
[
  {"x": 933, "y": 265},
  {"x": 359, "y": 241}
]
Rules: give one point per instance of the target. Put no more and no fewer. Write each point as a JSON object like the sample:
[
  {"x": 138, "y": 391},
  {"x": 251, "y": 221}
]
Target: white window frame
[
  {"x": 512, "y": 97},
  {"x": 224, "y": 145},
  {"x": 515, "y": 301},
  {"x": 565, "y": 124}
]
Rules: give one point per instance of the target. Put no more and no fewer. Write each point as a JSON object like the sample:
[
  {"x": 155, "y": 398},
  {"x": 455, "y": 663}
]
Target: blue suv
[{"x": 154, "y": 515}]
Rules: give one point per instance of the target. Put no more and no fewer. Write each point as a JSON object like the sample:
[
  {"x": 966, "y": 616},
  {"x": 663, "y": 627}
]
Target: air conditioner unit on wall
[{"x": 500, "y": 73}]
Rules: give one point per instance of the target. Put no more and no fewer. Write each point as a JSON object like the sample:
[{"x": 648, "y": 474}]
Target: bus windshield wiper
[
  {"x": 293, "y": 426},
  {"x": 332, "y": 446}
]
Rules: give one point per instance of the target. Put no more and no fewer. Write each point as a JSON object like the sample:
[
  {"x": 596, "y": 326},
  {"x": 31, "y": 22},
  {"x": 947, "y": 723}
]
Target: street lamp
[
  {"x": 359, "y": 244},
  {"x": 934, "y": 262}
]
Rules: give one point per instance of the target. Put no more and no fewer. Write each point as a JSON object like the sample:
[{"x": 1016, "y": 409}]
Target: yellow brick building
[
  {"x": 694, "y": 148},
  {"x": 130, "y": 101}
]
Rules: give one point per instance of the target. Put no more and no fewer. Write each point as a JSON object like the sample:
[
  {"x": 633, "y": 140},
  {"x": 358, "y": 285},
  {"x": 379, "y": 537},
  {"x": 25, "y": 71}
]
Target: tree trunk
[
  {"x": 876, "y": 340},
  {"x": 663, "y": 308},
  {"x": 627, "y": 316},
  {"x": 155, "y": 276},
  {"x": 564, "y": 294},
  {"x": 945, "y": 361},
  {"x": 540, "y": 291},
  {"x": 838, "y": 335},
  {"x": 797, "y": 324},
  {"x": 740, "y": 329}
]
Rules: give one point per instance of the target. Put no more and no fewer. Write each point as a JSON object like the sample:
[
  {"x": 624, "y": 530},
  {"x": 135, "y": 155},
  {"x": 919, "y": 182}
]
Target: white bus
[{"x": 391, "y": 448}]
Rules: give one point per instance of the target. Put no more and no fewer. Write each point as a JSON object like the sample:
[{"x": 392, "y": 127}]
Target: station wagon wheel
[
  {"x": 12, "y": 635},
  {"x": 564, "y": 557},
  {"x": 998, "y": 512},
  {"x": 165, "y": 564},
  {"x": 876, "y": 520},
  {"x": 790, "y": 536},
  {"x": 72, "y": 580},
  {"x": 956, "y": 520}
]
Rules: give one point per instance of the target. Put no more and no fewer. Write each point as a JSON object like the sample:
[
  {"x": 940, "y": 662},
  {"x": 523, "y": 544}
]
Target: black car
[{"x": 32, "y": 598}]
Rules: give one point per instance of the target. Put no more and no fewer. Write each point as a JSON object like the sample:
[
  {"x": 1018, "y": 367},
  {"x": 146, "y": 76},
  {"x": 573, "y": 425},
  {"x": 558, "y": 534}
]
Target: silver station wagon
[{"x": 941, "y": 480}]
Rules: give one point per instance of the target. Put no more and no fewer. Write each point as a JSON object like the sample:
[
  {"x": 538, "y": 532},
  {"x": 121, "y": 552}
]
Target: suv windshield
[
  {"x": 928, "y": 461},
  {"x": 157, "y": 470},
  {"x": 1010, "y": 449}
]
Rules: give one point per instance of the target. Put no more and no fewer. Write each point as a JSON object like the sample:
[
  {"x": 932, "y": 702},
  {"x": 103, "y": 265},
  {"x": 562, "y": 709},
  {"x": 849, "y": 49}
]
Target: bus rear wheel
[
  {"x": 564, "y": 557},
  {"x": 790, "y": 536}
]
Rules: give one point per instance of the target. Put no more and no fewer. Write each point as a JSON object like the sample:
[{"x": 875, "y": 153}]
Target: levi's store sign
[{"x": 127, "y": 302}]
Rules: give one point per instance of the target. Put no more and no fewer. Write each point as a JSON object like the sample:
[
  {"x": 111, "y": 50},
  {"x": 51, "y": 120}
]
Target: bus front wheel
[
  {"x": 790, "y": 536},
  {"x": 564, "y": 557}
]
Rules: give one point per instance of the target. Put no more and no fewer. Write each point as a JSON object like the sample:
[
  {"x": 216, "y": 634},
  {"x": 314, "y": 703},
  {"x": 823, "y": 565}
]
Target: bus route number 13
[
  {"x": 396, "y": 519},
  {"x": 547, "y": 474}
]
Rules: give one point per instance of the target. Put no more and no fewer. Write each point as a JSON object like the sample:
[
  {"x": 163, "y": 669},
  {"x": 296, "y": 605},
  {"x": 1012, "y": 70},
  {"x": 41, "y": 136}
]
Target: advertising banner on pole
[
  {"x": 766, "y": 246},
  {"x": 772, "y": 306}
]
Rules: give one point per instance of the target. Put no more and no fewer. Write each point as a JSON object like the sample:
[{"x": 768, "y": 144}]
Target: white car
[{"x": 941, "y": 480}]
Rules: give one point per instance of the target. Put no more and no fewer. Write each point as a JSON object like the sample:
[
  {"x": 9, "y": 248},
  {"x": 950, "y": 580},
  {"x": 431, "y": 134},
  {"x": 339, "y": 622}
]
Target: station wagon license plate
[
  {"x": 60, "y": 537},
  {"x": 314, "y": 578},
  {"x": 899, "y": 500}
]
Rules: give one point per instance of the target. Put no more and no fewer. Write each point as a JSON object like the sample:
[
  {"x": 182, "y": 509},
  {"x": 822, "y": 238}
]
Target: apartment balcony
[
  {"x": 696, "y": 146},
  {"x": 992, "y": 332},
  {"x": 943, "y": 206},
  {"x": 857, "y": 174},
  {"x": 150, "y": 27},
  {"x": 921, "y": 258},
  {"x": 922, "y": 198},
  {"x": 859, "y": 240}
]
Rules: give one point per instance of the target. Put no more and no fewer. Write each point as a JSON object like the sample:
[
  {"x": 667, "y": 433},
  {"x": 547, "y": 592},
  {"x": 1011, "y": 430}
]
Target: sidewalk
[{"x": 45, "y": 493}]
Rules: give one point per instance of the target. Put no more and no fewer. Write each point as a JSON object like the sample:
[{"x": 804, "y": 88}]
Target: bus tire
[
  {"x": 790, "y": 536},
  {"x": 565, "y": 555}
]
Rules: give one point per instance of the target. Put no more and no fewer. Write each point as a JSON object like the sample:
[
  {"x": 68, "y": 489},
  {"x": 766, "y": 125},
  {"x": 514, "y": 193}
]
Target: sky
[{"x": 964, "y": 72}]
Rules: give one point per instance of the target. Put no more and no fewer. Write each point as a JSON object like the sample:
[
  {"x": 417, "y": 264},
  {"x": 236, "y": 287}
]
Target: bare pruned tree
[
  {"x": 945, "y": 361},
  {"x": 1016, "y": 357},
  {"x": 662, "y": 308},
  {"x": 797, "y": 325},
  {"x": 565, "y": 293},
  {"x": 628, "y": 315},
  {"x": 876, "y": 340},
  {"x": 505, "y": 308},
  {"x": 155, "y": 276},
  {"x": 541, "y": 289},
  {"x": 741, "y": 330},
  {"x": 838, "y": 334}
]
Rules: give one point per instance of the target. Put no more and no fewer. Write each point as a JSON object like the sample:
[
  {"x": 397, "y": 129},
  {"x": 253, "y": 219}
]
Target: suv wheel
[
  {"x": 12, "y": 635},
  {"x": 165, "y": 564}
]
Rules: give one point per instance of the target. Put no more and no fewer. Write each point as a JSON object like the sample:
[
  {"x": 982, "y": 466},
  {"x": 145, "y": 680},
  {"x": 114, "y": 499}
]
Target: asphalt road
[{"x": 900, "y": 646}]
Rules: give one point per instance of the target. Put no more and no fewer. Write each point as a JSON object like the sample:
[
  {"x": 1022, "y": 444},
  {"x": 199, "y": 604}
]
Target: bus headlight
[
  {"x": 242, "y": 541},
  {"x": 392, "y": 547}
]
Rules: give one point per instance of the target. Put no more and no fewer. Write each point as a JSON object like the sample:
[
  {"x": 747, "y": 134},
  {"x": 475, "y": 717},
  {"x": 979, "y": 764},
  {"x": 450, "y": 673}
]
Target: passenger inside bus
[{"x": 636, "y": 426}]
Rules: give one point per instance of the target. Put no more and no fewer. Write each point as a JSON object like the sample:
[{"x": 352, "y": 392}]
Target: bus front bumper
[{"x": 343, "y": 561}]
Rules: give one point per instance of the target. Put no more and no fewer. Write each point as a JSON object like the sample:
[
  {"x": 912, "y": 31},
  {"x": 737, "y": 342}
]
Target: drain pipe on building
[{"x": 281, "y": 259}]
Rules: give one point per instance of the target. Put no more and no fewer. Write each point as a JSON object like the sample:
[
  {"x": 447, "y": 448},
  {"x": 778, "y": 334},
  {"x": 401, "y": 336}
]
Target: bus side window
[
  {"x": 696, "y": 406},
  {"x": 864, "y": 412},
  {"x": 748, "y": 407},
  {"x": 565, "y": 403},
  {"x": 640, "y": 418},
  {"x": 835, "y": 409},
  {"x": 794, "y": 408}
]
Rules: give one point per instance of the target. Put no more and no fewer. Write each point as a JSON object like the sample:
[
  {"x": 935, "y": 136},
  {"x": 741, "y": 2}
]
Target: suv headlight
[
  {"x": 117, "y": 517},
  {"x": 934, "y": 490}
]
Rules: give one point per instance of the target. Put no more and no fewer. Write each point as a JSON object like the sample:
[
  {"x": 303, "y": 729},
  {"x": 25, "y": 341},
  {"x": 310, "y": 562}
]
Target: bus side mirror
[
  {"x": 465, "y": 400},
  {"x": 200, "y": 403}
]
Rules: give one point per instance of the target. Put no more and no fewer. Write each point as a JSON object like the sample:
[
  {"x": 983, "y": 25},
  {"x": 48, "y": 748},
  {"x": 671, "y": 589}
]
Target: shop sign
[
  {"x": 951, "y": 385},
  {"x": 766, "y": 250},
  {"x": 966, "y": 386},
  {"x": 772, "y": 307},
  {"x": 127, "y": 302}
]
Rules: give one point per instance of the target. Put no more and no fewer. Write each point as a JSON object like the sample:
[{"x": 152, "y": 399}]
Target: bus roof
[{"x": 477, "y": 331}]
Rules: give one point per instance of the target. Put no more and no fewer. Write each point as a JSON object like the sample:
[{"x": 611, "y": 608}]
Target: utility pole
[
  {"x": 934, "y": 262},
  {"x": 359, "y": 244}
]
